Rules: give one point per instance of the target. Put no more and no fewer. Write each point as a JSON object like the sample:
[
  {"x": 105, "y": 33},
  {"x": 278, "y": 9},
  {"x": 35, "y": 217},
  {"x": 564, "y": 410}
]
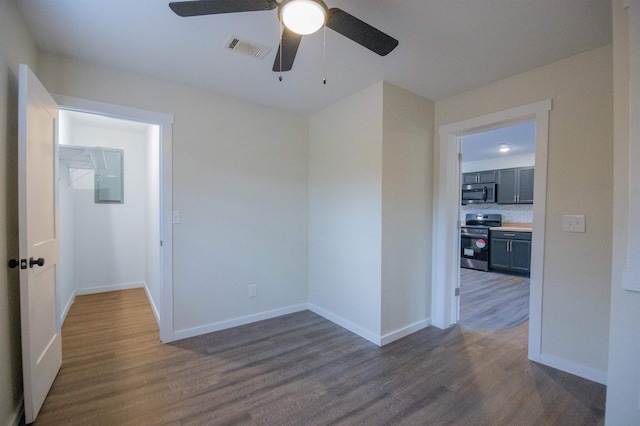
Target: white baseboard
[
  {"x": 364, "y": 333},
  {"x": 154, "y": 308},
  {"x": 65, "y": 311},
  {"x": 106, "y": 288},
  {"x": 18, "y": 414},
  {"x": 573, "y": 368},
  {"x": 223, "y": 325},
  {"x": 403, "y": 332}
]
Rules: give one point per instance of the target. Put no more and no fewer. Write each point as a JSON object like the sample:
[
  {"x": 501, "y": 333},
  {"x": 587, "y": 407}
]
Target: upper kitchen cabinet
[
  {"x": 487, "y": 176},
  {"x": 515, "y": 186}
]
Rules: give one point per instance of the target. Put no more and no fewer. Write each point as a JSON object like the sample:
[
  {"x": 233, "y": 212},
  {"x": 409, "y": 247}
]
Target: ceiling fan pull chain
[
  {"x": 280, "y": 48},
  {"x": 324, "y": 55}
]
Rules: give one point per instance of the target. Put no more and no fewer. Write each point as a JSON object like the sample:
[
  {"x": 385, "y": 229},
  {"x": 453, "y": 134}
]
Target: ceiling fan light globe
[{"x": 303, "y": 16}]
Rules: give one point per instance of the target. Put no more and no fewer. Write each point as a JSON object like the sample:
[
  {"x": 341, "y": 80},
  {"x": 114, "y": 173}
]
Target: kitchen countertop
[{"x": 515, "y": 227}]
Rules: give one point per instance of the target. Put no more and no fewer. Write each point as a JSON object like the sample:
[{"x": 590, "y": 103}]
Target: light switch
[
  {"x": 573, "y": 223},
  {"x": 176, "y": 216}
]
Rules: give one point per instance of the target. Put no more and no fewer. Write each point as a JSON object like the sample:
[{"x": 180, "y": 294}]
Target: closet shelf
[{"x": 89, "y": 159}]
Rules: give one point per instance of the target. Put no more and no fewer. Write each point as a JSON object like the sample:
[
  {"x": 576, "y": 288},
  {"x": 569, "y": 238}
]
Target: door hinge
[
  {"x": 459, "y": 157},
  {"x": 458, "y": 291}
]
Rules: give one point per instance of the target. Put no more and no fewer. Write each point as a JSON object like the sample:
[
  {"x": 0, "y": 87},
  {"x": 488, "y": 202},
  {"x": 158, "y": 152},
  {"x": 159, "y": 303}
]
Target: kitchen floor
[{"x": 492, "y": 301}]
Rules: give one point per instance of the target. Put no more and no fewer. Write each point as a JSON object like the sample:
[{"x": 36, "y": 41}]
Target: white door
[{"x": 41, "y": 341}]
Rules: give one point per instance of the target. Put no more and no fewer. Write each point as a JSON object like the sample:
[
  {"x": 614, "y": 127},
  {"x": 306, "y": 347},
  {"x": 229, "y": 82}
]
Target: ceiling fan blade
[
  {"x": 360, "y": 32},
  {"x": 288, "y": 49},
  {"x": 214, "y": 7}
]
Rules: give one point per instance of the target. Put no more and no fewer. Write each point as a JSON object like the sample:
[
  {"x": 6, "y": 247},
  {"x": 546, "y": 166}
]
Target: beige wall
[
  {"x": 577, "y": 267},
  {"x": 370, "y": 195},
  {"x": 623, "y": 386},
  {"x": 16, "y": 46},
  {"x": 226, "y": 171},
  {"x": 240, "y": 183},
  {"x": 345, "y": 196},
  {"x": 407, "y": 205}
]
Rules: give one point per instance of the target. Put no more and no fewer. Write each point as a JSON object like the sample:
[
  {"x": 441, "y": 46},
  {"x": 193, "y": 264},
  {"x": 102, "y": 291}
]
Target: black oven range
[{"x": 474, "y": 240}]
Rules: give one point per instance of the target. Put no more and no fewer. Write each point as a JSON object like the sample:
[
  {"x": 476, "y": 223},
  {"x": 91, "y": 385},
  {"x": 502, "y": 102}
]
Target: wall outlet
[
  {"x": 253, "y": 290},
  {"x": 573, "y": 223}
]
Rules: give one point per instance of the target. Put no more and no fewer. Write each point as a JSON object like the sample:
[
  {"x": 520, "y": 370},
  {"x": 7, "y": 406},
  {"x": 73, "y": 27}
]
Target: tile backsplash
[{"x": 515, "y": 213}]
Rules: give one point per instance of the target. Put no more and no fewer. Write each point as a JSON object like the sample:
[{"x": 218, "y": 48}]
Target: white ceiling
[
  {"x": 521, "y": 139},
  {"x": 446, "y": 46}
]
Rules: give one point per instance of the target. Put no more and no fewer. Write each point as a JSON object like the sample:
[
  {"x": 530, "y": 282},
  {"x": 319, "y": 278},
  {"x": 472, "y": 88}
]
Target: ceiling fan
[{"x": 300, "y": 17}]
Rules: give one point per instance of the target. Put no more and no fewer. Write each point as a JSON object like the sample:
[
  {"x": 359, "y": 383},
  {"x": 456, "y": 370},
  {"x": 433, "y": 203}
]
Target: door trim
[
  {"x": 446, "y": 241},
  {"x": 165, "y": 122},
  {"x": 631, "y": 271}
]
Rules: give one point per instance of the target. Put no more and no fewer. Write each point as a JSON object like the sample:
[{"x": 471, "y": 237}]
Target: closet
[{"x": 108, "y": 197}]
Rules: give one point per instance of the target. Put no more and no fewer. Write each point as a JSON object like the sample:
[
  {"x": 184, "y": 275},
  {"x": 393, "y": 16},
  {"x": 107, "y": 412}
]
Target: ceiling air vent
[{"x": 251, "y": 49}]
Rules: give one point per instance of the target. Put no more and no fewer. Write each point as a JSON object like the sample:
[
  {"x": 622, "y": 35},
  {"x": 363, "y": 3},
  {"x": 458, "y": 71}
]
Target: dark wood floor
[
  {"x": 300, "y": 369},
  {"x": 492, "y": 301}
]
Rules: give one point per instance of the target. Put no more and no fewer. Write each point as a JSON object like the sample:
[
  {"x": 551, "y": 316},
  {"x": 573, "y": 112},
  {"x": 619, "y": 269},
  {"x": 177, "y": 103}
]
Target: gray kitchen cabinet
[
  {"x": 515, "y": 186},
  {"x": 486, "y": 176},
  {"x": 499, "y": 257},
  {"x": 507, "y": 190},
  {"x": 525, "y": 185},
  {"x": 510, "y": 252}
]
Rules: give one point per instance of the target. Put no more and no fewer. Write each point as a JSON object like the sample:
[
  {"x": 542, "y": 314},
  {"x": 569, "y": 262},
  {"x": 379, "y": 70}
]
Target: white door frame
[
  {"x": 165, "y": 122},
  {"x": 446, "y": 225}
]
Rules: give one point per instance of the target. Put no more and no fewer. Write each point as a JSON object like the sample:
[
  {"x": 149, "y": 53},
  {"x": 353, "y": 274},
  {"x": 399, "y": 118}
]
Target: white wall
[
  {"x": 110, "y": 239},
  {"x": 16, "y": 47},
  {"x": 240, "y": 183},
  {"x": 623, "y": 386},
  {"x": 345, "y": 211},
  {"x": 577, "y": 267},
  {"x": 407, "y": 196}
]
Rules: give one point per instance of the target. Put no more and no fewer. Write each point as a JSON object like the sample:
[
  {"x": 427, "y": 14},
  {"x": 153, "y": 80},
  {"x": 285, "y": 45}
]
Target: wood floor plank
[
  {"x": 492, "y": 301},
  {"x": 300, "y": 369}
]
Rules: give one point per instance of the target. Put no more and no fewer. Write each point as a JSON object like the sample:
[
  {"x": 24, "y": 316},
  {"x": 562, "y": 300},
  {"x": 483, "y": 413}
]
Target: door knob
[
  {"x": 39, "y": 261},
  {"x": 13, "y": 263}
]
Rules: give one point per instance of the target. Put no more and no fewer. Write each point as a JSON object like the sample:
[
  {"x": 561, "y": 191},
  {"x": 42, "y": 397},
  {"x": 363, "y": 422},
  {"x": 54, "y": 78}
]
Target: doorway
[
  {"x": 108, "y": 190},
  {"x": 446, "y": 227},
  {"x": 111, "y": 206},
  {"x": 495, "y": 265}
]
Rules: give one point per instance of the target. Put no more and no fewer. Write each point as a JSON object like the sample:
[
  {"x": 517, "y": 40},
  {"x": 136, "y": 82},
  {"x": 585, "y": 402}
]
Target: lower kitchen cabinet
[{"x": 510, "y": 252}]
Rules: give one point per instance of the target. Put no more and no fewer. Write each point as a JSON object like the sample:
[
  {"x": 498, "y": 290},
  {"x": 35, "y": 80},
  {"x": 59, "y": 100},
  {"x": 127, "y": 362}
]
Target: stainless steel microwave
[{"x": 479, "y": 193}]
